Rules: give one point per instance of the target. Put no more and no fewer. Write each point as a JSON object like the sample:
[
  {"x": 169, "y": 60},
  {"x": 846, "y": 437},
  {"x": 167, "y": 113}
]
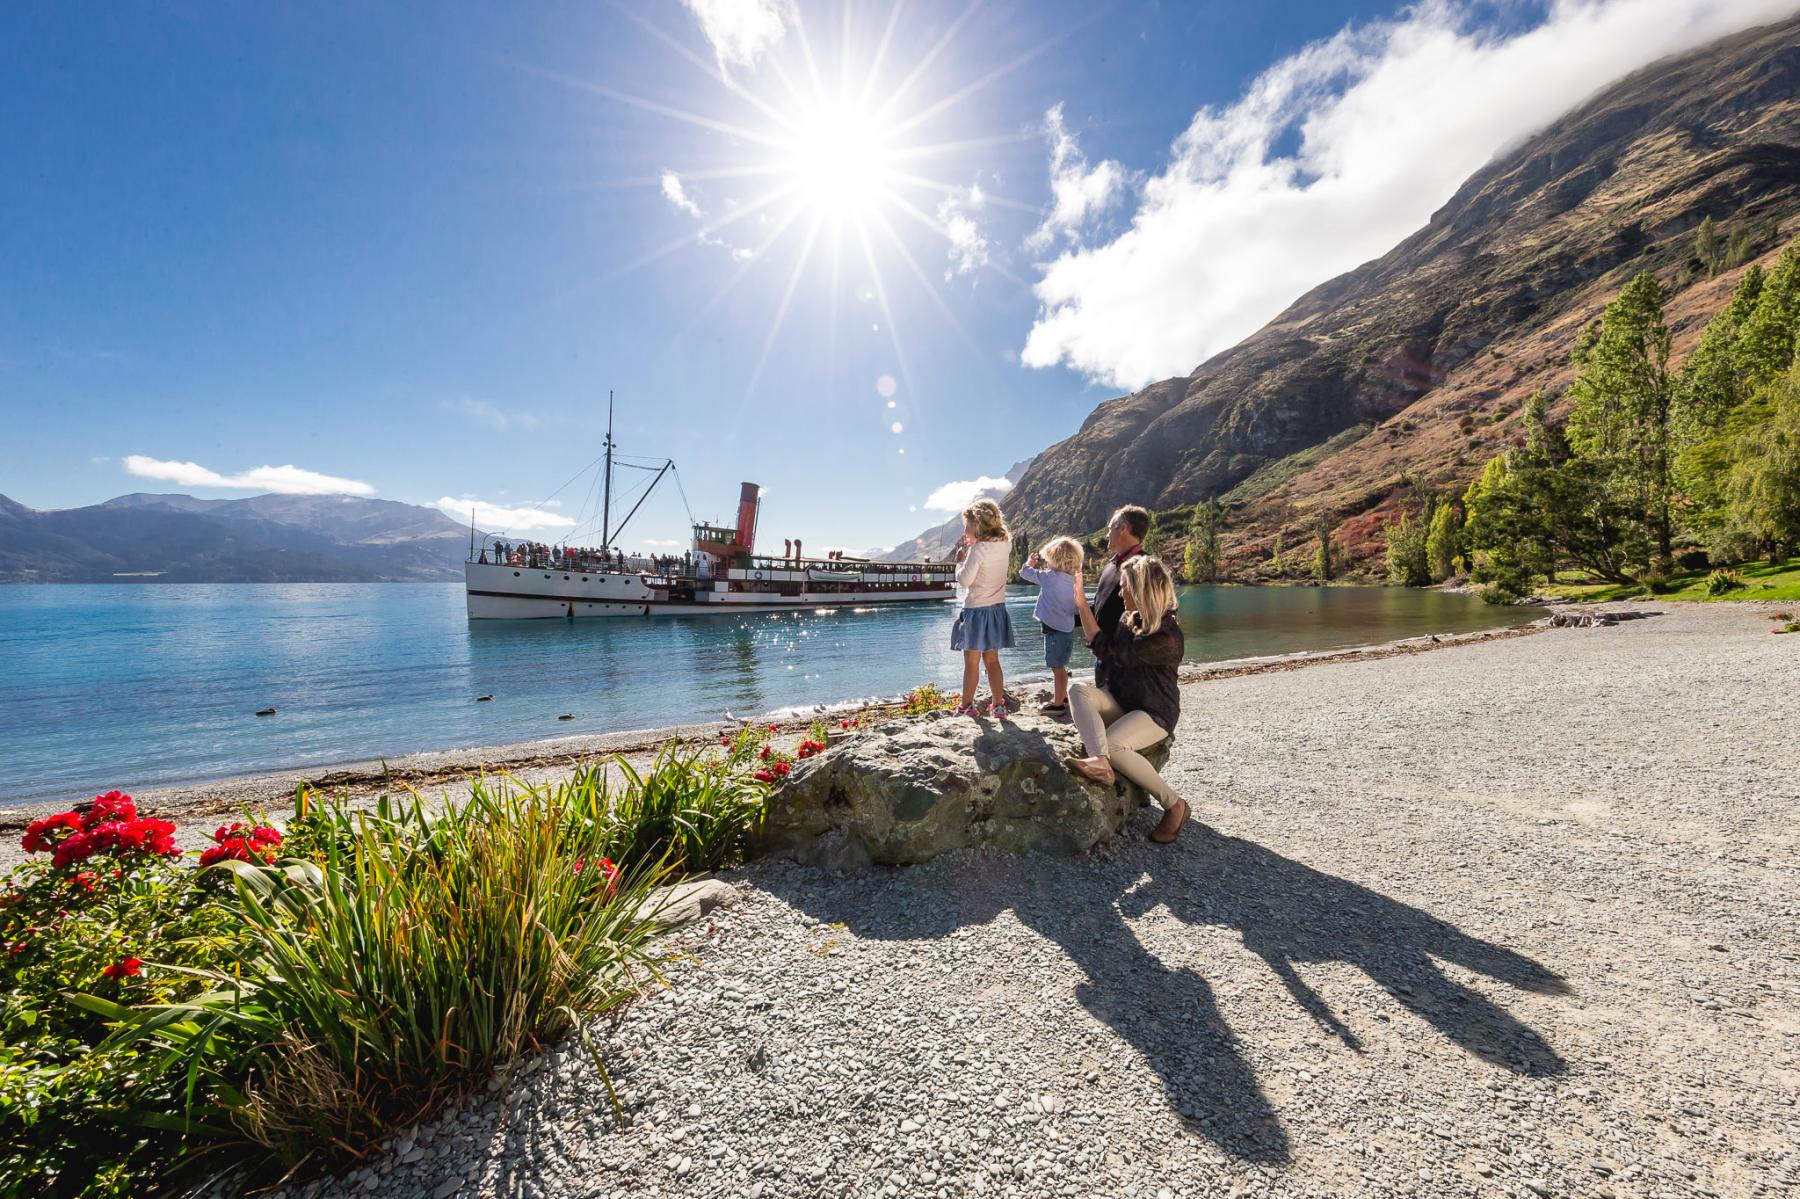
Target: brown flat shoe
[
  {"x": 1094, "y": 774},
  {"x": 1180, "y": 805}
]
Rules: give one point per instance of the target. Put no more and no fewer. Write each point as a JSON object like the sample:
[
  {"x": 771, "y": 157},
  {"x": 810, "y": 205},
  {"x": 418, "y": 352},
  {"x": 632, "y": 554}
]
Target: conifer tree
[
  {"x": 1620, "y": 423},
  {"x": 1201, "y": 561},
  {"x": 1708, "y": 388},
  {"x": 1708, "y": 247},
  {"x": 1765, "y": 345},
  {"x": 1322, "y": 557}
]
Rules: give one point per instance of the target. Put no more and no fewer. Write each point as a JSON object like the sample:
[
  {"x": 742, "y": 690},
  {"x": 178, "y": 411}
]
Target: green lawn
[{"x": 1762, "y": 581}]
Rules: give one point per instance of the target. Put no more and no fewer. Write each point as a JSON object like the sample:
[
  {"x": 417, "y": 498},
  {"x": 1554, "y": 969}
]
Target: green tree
[
  {"x": 1276, "y": 566},
  {"x": 1322, "y": 557},
  {"x": 1621, "y": 420},
  {"x": 1709, "y": 248},
  {"x": 1708, "y": 388},
  {"x": 1408, "y": 564},
  {"x": 1443, "y": 542},
  {"x": 1021, "y": 549},
  {"x": 1200, "y": 562},
  {"x": 1765, "y": 344},
  {"x": 1763, "y": 487}
]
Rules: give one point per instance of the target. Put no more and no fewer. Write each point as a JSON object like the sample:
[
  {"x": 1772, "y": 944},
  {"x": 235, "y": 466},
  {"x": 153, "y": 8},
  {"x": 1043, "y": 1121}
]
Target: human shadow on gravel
[{"x": 1287, "y": 913}]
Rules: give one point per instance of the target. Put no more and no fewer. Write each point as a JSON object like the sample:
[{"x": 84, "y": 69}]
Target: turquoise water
[{"x": 141, "y": 686}]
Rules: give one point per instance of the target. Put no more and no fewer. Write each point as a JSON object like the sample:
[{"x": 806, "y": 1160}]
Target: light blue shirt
[{"x": 1056, "y": 597}]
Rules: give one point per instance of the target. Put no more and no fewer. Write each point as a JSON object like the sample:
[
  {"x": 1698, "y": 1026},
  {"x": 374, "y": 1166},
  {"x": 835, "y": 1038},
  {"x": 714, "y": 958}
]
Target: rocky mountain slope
[
  {"x": 937, "y": 543},
  {"x": 262, "y": 539},
  {"x": 1414, "y": 366}
]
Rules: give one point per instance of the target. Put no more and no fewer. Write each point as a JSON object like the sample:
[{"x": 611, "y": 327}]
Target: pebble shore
[{"x": 1517, "y": 919}]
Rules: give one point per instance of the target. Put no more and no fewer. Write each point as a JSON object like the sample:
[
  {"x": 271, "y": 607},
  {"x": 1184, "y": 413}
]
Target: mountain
[
  {"x": 936, "y": 543},
  {"x": 1413, "y": 367},
  {"x": 262, "y": 539}
]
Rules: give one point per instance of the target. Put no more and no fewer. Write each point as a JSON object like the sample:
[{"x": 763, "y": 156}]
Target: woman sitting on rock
[{"x": 1141, "y": 701}]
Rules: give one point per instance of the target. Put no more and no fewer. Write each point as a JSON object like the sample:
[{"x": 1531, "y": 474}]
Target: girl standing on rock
[
  {"x": 1141, "y": 701},
  {"x": 983, "y": 628}
]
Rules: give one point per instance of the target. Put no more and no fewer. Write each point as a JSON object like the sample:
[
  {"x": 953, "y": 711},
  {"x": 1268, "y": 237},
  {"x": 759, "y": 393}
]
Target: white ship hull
[{"x": 507, "y": 592}]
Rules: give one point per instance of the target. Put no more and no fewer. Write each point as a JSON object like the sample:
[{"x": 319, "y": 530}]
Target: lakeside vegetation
[
  {"x": 282, "y": 1005},
  {"x": 1663, "y": 479}
]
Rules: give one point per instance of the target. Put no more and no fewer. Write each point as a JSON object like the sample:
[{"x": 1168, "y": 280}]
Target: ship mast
[{"x": 606, "y": 495}]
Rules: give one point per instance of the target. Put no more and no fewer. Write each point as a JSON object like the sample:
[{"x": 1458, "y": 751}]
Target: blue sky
[{"x": 406, "y": 250}]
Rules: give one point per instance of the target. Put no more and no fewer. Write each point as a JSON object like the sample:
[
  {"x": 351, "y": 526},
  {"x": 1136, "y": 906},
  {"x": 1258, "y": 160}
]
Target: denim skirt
[{"x": 983, "y": 628}]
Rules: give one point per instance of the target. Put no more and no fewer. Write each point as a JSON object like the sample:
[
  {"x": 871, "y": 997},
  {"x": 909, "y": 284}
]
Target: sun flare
[{"x": 841, "y": 161}]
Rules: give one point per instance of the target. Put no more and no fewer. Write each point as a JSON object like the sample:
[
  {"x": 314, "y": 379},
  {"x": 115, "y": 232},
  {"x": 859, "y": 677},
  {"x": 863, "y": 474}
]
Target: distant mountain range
[
  {"x": 263, "y": 539},
  {"x": 937, "y": 543},
  {"x": 1412, "y": 370}
]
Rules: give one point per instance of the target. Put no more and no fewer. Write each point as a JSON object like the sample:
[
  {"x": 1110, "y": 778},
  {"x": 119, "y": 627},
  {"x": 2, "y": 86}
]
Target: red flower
[
  {"x": 782, "y": 768},
  {"x": 763, "y": 776},
  {"x": 16, "y": 947},
  {"x": 38, "y": 833},
  {"x": 121, "y": 969},
  {"x": 765, "y": 753},
  {"x": 774, "y": 728},
  {"x": 240, "y": 843}
]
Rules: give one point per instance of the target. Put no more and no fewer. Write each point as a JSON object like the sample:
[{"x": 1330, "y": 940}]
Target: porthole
[
  {"x": 565, "y": 578},
  {"x": 515, "y": 574}
]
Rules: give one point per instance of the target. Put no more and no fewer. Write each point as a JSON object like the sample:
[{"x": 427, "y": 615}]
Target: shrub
[
  {"x": 375, "y": 987},
  {"x": 1723, "y": 582},
  {"x": 691, "y": 812}
]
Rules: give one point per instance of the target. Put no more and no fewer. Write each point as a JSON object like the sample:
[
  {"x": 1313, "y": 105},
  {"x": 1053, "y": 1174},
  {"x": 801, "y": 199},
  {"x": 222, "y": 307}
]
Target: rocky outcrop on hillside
[{"x": 1416, "y": 364}]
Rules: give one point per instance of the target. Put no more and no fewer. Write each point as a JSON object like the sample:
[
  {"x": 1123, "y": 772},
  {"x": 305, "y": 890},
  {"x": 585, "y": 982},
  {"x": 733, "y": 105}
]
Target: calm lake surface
[{"x": 137, "y": 686}]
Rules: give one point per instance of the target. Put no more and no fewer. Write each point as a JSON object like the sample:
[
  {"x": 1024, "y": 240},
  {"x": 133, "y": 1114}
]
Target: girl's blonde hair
[
  {"x": 985, "y": 520},
  {"x": 1152, "y": 591},
  {"x": 1064, "y": 554}
]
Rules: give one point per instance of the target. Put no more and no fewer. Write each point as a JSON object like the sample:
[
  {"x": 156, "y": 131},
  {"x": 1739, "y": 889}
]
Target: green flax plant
[
  {"x": 422, "y": 952},
  {"x": 691, "y": 809}
]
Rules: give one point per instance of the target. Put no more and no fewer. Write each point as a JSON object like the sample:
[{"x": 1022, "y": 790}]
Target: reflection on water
[{"x": 141, "y": 685}]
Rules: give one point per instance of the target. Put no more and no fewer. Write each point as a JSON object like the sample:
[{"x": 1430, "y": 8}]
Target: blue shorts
[{"x": 1057, "y": 648}]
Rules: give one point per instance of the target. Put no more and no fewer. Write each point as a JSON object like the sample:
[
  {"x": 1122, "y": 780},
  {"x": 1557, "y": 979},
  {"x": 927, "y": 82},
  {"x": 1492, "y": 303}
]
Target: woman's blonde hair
[
  {"x": 1064, "y": 554},
  {"x": 1152, "y": 591},
  {"x": 985, "y": 519}
]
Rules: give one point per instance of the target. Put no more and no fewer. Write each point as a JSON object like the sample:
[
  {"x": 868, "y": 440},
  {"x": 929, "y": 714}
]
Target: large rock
[{"x": 908, "y": 790}]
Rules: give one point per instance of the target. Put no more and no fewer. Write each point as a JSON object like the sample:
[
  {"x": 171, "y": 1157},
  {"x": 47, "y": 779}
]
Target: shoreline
[{"x": 364, "y": 778}]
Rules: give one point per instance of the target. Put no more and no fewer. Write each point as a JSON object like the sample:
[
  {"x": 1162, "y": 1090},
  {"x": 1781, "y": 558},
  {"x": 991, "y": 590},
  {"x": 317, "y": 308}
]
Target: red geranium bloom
[
  {"x": 124, "y": 967},
  {"x": 763, "y": 776},
  {"x": 782, "y": 768}
]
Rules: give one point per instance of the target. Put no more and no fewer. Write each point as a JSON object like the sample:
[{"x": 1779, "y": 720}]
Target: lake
[{"x": 138, "y": 686}]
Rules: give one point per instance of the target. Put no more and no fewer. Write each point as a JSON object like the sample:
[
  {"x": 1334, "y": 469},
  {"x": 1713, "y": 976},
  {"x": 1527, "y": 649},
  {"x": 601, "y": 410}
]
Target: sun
[
  {"x": 851, "y": 160},
  {"x": 841, "y": 160}
]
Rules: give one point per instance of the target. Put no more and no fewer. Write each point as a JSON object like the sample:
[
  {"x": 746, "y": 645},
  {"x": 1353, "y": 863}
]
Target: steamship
[{"x": 721, "y": 572}]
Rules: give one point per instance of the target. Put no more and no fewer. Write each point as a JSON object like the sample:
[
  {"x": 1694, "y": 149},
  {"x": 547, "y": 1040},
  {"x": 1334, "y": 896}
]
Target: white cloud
[
  {"x": 658, "y": 542},
  {"x": 497, "y": 519},
  {"x": 1390, "y": 118},
  {"x": 489, "y": 414},
  {"x": 954, "y": 497},
  {"x": 675, "y": 192},
  {"x": 1077, "y": 192},
  {"x": 284, "y": 480},
  {"x": 956, "y": 213},
  {"x": 741, "y": 31}
]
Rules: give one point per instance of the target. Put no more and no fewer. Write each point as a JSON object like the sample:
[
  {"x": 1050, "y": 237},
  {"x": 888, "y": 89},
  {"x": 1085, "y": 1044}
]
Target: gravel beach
[{"x": 1517, "y": 919}]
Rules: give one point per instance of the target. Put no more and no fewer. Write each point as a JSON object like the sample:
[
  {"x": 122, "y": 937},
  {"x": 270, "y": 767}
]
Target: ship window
[
  {"x": 565, "y": 578},
  {"x": 515, "y": 574}
]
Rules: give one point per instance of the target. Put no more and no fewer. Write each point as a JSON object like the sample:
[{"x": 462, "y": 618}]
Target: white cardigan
[{"x": 983, "y": 571}]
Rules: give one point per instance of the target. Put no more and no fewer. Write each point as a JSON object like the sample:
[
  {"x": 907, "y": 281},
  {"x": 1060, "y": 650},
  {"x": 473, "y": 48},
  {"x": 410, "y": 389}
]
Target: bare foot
[
  {"x": 1097, "y": 770},
  {"x": 1169, "y": 827}
]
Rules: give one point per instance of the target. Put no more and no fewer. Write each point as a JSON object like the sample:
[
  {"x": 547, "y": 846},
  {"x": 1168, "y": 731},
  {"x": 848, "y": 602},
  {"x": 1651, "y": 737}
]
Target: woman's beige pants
[{"x": 1110, "y": 731}]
